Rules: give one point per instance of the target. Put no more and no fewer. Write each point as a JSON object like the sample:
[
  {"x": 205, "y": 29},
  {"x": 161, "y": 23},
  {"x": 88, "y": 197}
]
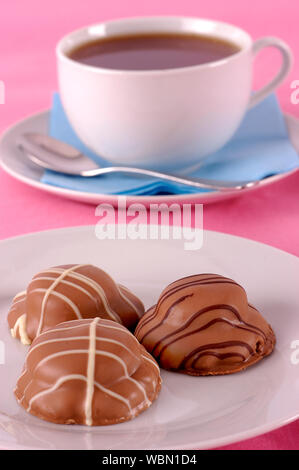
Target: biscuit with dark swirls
[{"x": 204, "y": 325}]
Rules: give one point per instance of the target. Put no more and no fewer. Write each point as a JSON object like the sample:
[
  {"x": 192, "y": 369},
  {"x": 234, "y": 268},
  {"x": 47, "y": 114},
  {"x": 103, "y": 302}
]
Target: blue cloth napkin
[{"x": 260, "y": 148}]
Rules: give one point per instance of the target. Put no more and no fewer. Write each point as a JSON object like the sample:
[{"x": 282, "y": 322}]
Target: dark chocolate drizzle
[
  {"x": 225, "y": 344},
  {"x": 173, "y": 290},
  {"x": 251, "y": 328},
  {"x": 210, "y": 276},
  {"x": 181, "y": 299},
  {"x": 220, "y": 356},
  {"x": 225, "y": 314}
]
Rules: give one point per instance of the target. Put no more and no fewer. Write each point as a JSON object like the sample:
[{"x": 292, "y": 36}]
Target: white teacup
[{"x": 162, "y": 118}]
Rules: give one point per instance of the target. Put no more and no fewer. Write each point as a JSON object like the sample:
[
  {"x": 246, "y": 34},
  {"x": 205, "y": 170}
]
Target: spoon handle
[
  {"x": 190, "y": 181},
  {"x": 60, "y": 157}
]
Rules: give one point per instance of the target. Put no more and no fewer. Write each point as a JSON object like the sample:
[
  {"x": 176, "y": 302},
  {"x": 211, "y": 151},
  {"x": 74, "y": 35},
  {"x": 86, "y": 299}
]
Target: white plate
[
  {"x": 13, "y": 162},
  {"x": 191, "y": 412}
]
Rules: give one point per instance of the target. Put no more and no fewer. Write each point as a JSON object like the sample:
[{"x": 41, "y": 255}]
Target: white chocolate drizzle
[
  {"x": 71, "y": 284},
  {"x": 73, "y": 281},
  {"x": 20, "y": 327},
  {"x": 152, "y": 362},
  {"x": 49, "y": 292},
  {"x": 65, "y": 299},
  {"x": 20, "y": 294},
  {"x": 79, "y": 338},
  {"x": 95, "y": 286},
  {"x": 90, "y": 371},
  {"x": 93, "y": 351},
  {"x": 69, "y": 377}
]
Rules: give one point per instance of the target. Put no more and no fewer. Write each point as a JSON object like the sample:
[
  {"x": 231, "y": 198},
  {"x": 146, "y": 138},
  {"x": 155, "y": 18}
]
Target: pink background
[{"x": 29, "y": 30}]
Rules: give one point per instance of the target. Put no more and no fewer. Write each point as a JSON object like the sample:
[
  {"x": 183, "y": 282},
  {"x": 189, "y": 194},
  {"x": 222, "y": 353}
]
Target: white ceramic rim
[
  {"x": 97, "y": 198},
  {"x": 63, "y": 47}
]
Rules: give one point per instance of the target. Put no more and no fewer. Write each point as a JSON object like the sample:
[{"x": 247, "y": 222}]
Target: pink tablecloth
[{"x": 28, "y": 32}]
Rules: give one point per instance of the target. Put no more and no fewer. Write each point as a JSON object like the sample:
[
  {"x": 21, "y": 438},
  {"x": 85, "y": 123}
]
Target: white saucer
[
  {"x": 13, "y": 162},
  {"x": 191, "y": 412}
]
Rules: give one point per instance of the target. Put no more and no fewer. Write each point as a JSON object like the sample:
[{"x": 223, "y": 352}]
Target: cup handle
[{"x": 284, "y": 69}]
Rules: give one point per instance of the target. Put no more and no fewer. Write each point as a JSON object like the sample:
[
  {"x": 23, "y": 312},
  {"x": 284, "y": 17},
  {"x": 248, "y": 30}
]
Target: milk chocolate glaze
[
  {"x": 204, "y": 325},
  {"x": 91, "y": 371},
  {"x": 71, "y": 292}
]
